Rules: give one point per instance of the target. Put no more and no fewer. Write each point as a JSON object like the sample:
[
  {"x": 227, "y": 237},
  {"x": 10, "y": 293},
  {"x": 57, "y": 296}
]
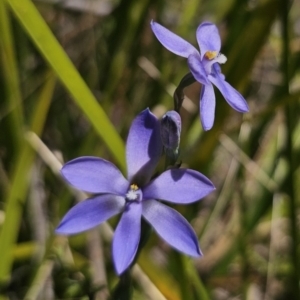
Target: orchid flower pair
[
  {"x": 137, "y": 196},
  {"x": 205, "y": 67}
]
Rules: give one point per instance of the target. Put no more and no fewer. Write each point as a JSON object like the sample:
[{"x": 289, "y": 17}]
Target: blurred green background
[{"x": 74, "y": 73}]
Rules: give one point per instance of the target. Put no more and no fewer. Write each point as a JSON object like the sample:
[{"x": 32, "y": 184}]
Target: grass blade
[
  {"x": 49, "y": 47},
  {"x": 19, "y": 186}
]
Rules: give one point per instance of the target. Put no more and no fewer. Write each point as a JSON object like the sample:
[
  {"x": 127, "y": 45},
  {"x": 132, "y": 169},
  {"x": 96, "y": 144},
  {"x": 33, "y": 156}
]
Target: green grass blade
[
  {"x": 291, "y": 118},
  {"x": 19, "y": 185},
  {"x": 45, "y": 41},
  {"x": 11, "y": 80}
]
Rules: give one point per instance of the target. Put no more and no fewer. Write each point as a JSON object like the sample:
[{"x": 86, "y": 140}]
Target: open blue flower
[
  {"x": 205, "y": 67},
  {"x": 135, "y": 196}
]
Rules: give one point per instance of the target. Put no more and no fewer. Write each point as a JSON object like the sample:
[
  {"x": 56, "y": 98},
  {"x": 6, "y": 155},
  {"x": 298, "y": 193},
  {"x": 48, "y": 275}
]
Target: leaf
[
  {"x": 52, "y": 51},
  {"x": 19, "y": 185}
]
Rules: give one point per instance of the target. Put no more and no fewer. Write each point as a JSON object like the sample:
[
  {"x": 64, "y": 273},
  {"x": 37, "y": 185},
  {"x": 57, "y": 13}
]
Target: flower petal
[
  {"x": 94, "y": 175},
  {"x": 143, "y": 148},
  {"x": 207, "y": 106},
  {"x": 208, "y": 38},
  {"x": 171, "y": 41},
  {"x": 127, "y": 237},
  {"x": 90, "y": 213},
  {"x": 231, "y": 95},
  {"x": 172, "y": 227},
  {"x": 217, "y": 69},
  {"x": 178, "y": 186},
  {"x": 197, "y": 68}
]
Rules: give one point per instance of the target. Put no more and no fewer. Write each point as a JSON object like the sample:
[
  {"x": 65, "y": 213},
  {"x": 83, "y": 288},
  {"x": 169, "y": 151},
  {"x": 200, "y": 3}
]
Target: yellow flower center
[
  {"x": 134, "y": 187},
  {"x": 211, "y": 54}
]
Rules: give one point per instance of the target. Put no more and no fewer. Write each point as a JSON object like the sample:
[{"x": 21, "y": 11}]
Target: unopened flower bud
[{"x": 170, "y": 130}]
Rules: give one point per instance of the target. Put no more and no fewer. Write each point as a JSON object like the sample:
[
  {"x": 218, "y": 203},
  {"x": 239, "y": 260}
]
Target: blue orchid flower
[
  {"x": 137, "y": 196},
  {"x": 205, "y": 67}
]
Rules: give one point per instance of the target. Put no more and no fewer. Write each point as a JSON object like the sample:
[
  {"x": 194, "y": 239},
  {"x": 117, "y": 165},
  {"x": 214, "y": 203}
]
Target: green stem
[
  {"x": 123, "y": 290},
  {"x": 290, "y": 117},
  {"x": 171, "y": 157},
  {"x": 178, "y": 96}
]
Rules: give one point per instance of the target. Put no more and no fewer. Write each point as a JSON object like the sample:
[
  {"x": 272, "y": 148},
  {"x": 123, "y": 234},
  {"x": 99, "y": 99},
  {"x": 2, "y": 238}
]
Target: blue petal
[
  {"x": 178, "y": 186},
  {"x": 217, "y": 69},
  {"x": 95, "y": 175},
  {"x": 172, "y": 227},
  {"x": 208, "y": 38},
  {"x": 90, "y": 213},
  {"x": 207, "y": 106},
  {"x": 171, "y": 41},
  {"x": 231, "y": 95},
  {"x": 127, "y": 237},
  {"x": 197, "y": 68},
  {"x": 143, "y": 147}
]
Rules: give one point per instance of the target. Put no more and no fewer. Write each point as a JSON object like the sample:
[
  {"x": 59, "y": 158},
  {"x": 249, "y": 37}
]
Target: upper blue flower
[
  {"x": 135, "y": 196},
  {"x": 205, "y": 67}
]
